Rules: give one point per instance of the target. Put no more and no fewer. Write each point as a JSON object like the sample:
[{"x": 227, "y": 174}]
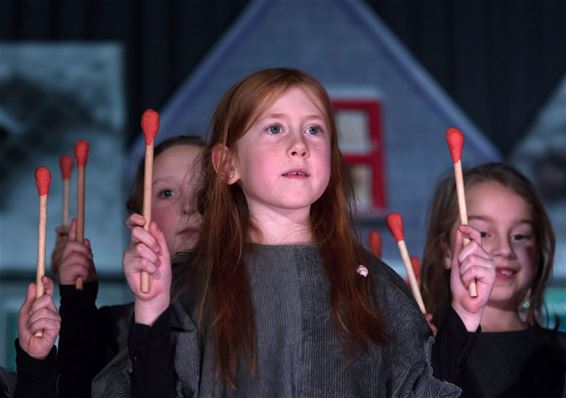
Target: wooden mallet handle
[
  {"x": 66, "y": 166},
  {"x": 375, "y": 244},
  {"x": 455, "y": 140},
  {"x": 42, "y": 181},
  {"x": 81, "y": 155},
  {"x": 150, "y": 127},
  {"x": 395, "y": 225}
]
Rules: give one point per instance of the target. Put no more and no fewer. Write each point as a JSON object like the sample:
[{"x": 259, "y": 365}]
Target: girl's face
[
  {"x": 504, "y": 220},
  {"x": 173, "y": 190},
  {"x": 283, "y": 161}
]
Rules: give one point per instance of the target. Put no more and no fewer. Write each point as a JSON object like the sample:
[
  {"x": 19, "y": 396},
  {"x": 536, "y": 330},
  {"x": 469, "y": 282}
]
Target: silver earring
[{"x": 230, "y": 176}]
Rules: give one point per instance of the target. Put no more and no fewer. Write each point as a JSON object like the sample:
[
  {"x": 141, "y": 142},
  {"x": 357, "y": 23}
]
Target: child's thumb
[
  {"x": 73, "y": 230},
  {"x": 30, "y": 295}
]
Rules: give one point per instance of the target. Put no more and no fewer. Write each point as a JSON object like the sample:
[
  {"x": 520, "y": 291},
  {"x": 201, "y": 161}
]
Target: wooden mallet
[
  {"x": 81, "y": 155},
  {"x": 66, "y": 166},
  {"x": 455, "y": 140},
  {"x": 395, "y": 225},
  {"x": 42, "y": 181},
  {"x": 375, "y": 244},
  {"x": 150, "y": 127}
]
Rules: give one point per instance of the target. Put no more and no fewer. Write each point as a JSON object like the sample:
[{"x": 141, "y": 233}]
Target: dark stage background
[{"x": 499, "y": 60}]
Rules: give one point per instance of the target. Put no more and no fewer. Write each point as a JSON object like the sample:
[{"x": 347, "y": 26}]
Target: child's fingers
[
  {"x": 143, "y": 264},
  {"x": 42, "y": 314},
  {"x": 28, "y": 301},
  {"x": 140, "y": 235},
  {"x": 73, "y": 230},
  {"x": 62, "y": 231},
  {"x": 76, "y": 247},
  {"x": 135, "y": 220},
  {"x": 74, "y": 263},
  {"x": 47, "y": 285},
  {"x": 42, "y": 302},
  {"x": 478, "y": 273},
  {"x": 160, "y": 237},
  {"x": 89, "y": 248},
  {"x": 42, "y": 324},
  {"x": 471, "y": 233}
]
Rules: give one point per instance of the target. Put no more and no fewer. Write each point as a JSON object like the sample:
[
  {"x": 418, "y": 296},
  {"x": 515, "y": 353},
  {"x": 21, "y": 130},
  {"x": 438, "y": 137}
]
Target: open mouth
[
  {"x": 504, "y": 273},
  {"x": 296, "y": 173},
  {"x": 188, "y": 231}
]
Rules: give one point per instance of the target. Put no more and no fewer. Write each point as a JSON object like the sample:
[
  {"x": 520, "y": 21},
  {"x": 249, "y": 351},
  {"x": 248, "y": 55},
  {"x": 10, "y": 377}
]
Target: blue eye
[
  {"x": 314, "y": 130},
  {"x": 166, "y": 193},
  {"x": 274, "y": 129}
]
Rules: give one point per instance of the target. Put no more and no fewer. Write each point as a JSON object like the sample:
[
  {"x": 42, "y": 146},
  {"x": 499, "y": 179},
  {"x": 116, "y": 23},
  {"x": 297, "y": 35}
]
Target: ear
[{"x": 224, "y": 162}]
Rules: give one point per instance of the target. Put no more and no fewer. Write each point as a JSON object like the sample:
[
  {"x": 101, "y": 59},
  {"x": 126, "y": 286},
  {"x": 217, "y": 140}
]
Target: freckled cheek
[{"x": 165, "y": 218}]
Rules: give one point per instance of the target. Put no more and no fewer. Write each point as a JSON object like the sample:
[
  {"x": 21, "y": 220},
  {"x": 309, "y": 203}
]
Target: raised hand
[
  {"x": 38, "y": 315},
  {"x": 75, "y": 260},
  {"x": 62, "y": 232},
  {"x": 148, "y": 252},
  {"x": 468, "y": 263}
]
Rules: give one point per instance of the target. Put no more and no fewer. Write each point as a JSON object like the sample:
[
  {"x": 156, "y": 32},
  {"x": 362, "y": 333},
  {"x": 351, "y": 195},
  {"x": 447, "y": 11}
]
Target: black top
[
  {"x": 36, "y": 378},
  {"x": 89, "y": 337},
  {"x": 529, "y": 363}
]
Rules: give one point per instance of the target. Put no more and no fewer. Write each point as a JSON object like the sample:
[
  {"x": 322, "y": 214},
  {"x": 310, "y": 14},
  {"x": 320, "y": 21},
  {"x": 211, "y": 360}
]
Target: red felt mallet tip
[
  {"x": 395, "y": 225},
  {"x": 375, "y": 244},
  {"x": 455, "y": 140},
  {"x": 42, "y": 180},
  {"x": 150, "y": 125},
  {"x": 66, "y": 165},
  {"x": 81, "y": 152}
]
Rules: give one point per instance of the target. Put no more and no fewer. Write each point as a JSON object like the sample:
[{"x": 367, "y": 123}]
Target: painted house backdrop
[{"x": 355, "y": 56}]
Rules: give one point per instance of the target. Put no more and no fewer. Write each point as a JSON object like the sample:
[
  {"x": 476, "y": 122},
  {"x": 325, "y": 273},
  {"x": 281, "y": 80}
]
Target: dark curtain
[{"x": 499, "y": 60}]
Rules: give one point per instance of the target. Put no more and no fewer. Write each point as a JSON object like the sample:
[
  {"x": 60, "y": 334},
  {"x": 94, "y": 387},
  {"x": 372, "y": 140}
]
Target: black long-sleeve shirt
[{"x": 36, "y": 378}]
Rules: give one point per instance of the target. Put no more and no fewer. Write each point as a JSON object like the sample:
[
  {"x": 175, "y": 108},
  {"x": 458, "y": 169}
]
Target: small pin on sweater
[{"x": 362, "y": 270}]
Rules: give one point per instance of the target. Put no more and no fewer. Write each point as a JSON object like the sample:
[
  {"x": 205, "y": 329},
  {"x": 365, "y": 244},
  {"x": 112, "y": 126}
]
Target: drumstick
[
  {"x": 395, "y": 225},
  {"x": 150, "y": 126},
  {"x": 42, "y": 181},
  {"x": 66, "y": 165},
  {"x": 81, "y": 154},
  {"x": 455, "y": 140},
  {"x": 375, "y": 243}
]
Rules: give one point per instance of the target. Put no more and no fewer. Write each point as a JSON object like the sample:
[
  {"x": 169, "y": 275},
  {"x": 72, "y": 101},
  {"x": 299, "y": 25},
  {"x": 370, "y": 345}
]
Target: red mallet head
[
  {"x": 66, "y": 165},
  {"x": 455, "y": 140},
  {"x": 81, "y": 152},
  {"x": 395, "y": 225},
  {"x": 150, "y": 125},
  {"x": 375, "y": 243},
  {"x": 42, "y": 180}
]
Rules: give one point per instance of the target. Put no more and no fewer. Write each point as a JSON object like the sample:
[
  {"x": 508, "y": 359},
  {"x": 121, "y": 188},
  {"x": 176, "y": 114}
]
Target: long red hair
[{"x": 223, "y": 303}]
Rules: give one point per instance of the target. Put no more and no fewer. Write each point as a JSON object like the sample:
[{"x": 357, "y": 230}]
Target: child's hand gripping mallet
[
  {"x": 81, "y": 155},
  {"x": 42, "y": 181},
  {"x": 455, "y": 140},
  {"x": 150, "y": 126}
]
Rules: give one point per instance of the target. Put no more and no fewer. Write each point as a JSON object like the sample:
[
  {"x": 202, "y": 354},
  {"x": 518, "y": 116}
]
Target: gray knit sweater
[{"x": 298, "y": 352}]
